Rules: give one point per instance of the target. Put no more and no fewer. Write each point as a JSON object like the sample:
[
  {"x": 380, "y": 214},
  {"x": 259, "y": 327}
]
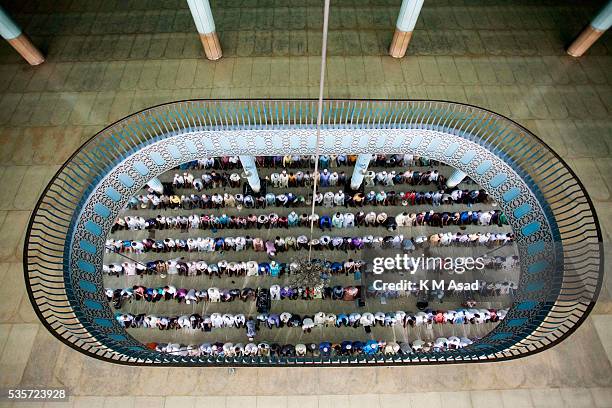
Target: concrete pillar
[
  {"x": 156, "y": 185},
  {"x": 592, "y": 32},
  {"x": 18, "y": 40},
  {"x": 205, "y": 24},
  {"x": 250, "y": 169},
  {"x": 455, "y": 178},
  {"x": 406, "y": 20},
  {"x": 361, "y": 166}
]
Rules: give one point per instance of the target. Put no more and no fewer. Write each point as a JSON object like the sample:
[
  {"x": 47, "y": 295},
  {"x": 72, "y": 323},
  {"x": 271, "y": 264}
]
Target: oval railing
[{"x": 558, "y": 235}]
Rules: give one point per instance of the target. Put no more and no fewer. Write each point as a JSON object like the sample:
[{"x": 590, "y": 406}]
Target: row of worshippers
[
  {"x": 276, "y": 292},
  {"x": 324, "y": 178},
  {"x": 214, "y": 294},
  {"x": 318, "y": 350},
  {"x": 337, "y": 220},
  {"x": 326, "y": 242},
  {"x": 331, "y": 161},
  {"x": 367, "y": 320},
  {"x": 297, "y": 161},
  {"x": 222, "y": 268},
  {"x": 328, "y": 199},
  {"x": 225, "y": 268},
  {"x": 327, "y": 178}
]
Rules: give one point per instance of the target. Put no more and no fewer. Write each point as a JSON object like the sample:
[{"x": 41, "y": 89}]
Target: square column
[{"x": 205, "y": 24}]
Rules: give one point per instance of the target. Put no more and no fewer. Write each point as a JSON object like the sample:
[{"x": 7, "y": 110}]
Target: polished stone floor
[{"x": 108, "y": 59}]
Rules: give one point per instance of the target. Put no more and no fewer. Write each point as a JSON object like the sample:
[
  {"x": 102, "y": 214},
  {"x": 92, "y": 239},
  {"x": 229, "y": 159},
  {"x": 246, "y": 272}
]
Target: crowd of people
[
  {"x": 367, "y": 320},
  {"x": 324, "y": 349},
  {"x": 345, "y": 212},
  {"x": 302, "y": 242}
]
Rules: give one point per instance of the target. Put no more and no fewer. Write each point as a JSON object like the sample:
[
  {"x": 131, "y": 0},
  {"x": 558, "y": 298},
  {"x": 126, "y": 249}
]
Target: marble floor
[{"x": 108, "y": 59}]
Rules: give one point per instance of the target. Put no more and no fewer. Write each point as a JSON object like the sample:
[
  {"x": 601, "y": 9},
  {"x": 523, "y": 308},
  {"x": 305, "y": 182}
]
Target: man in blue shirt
[
  {"x": 273, "y": 321},
  {"x": 337, "y": 293},
  {"x": 274, "y": 269},
  {"x": 224, "y": 220},
  {"x": 464, "y": 217},
  {"x": 325, "y": 348},
  {"x": 336, "y": 267},
  {"x": 342, "y": 320},
  {"x": 475, "y": 217},
  {"x": 325, "y": 222},
  {"x": 370, "y": 198},
  {"x": 371, "y": 347},
  {"x": 219, "y": 244},
  {"x": 264, "y": 268},
  {"x": 346, "y": 347},
  {"x": 324, "y": 161},
  {"x": 293, "y": 219},
  {"x": 324, "y": 179},
  {"x": 358, "y": 347},
  {"x": 270, "y": 199}
]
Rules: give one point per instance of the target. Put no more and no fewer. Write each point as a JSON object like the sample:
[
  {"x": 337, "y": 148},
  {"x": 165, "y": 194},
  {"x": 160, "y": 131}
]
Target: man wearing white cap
[{"x": 284, "y": 179}]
